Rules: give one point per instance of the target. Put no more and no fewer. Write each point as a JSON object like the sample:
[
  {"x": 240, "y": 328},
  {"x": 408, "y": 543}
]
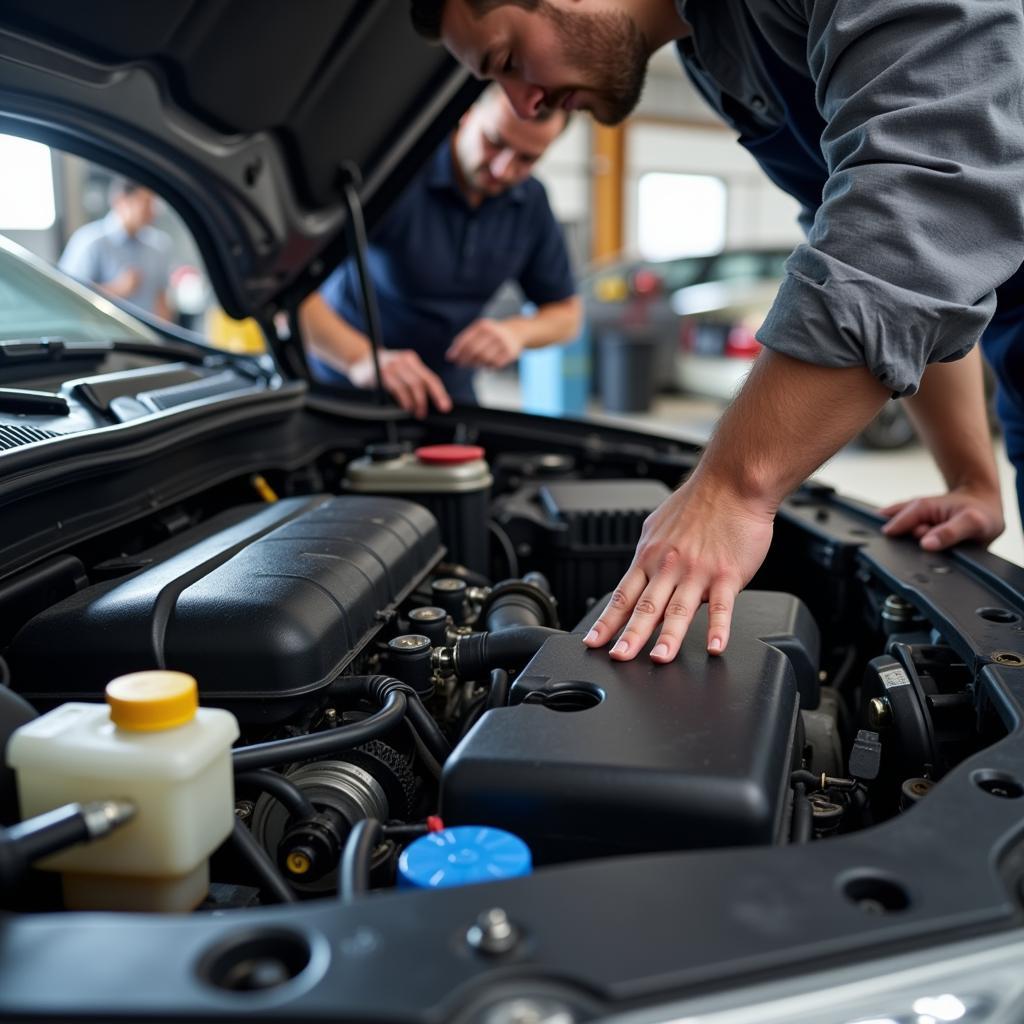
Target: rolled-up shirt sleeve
[{"x": 922, "y": 216}]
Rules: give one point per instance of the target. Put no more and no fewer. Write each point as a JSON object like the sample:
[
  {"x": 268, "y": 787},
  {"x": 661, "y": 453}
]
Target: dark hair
[
  {"x": 121, "y": 187},
  {"x": 427, "y": 14}
]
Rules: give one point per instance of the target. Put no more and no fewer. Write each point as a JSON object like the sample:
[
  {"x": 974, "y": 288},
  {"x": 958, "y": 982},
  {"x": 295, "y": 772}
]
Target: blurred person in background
[
  {"x": 123, "y": 254},
  {"x": 473, "y": 219}
]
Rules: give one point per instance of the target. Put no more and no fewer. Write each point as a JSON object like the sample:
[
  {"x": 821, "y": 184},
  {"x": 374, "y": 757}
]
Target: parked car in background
[
  {"x": 633, "y": 295},
  {"x": 704, "y": 313}
]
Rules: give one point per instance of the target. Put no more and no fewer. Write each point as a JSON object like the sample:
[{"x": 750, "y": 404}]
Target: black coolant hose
[
  {"x": 519, "y": 602},
  {"x": 803, "y": 816},
  {"x": 476, "y": 655},
  {"x": 395, "y": 702},
  {"x": 356, "y": 859},
  {"x": 375, "y": 687},
  {"x": 264, "y": 868},
  {"x": 282, "y": 789},
  {"x": 426, "y": 728},
  {"x": 497, "y": 695}
]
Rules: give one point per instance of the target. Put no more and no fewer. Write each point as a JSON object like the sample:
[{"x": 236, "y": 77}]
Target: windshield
[{"x": 37, "y": 301}]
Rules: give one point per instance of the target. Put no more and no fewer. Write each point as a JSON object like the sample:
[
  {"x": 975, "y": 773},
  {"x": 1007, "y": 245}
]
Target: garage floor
[{"x": 876, "y": 477}]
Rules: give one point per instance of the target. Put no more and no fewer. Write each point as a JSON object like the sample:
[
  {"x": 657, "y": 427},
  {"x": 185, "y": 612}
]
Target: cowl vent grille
[{"x": 14, "y": 435}]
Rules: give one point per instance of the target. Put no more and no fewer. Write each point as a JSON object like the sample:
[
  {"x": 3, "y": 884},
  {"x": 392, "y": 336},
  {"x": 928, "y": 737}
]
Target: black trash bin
[{"x": 626, "y": 369}]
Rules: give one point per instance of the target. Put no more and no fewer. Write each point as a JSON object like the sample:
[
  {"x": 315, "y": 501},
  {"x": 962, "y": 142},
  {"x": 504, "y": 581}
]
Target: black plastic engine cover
[
  {"x": 697, "y": 753},
  {"x": 264, "y": 606}
]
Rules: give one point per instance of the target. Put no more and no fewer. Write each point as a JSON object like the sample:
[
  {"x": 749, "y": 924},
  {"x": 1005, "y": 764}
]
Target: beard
[{"x": 610, "y": 43}]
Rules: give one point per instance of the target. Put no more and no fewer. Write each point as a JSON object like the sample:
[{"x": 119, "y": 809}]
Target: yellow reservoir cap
[{"x": 149, "y": 701}]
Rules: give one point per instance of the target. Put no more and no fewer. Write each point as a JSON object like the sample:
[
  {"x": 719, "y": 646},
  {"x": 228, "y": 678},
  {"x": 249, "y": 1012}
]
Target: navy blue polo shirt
[{"x": 436, "y": 261}]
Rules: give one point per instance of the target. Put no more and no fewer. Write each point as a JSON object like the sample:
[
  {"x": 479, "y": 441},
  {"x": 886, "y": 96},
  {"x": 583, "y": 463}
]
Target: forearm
[
  {"x": 329, "y": 337},
  {"x": 553, "y": 323},
  {"x": 789, "y": 418},
  {"x": 949, "y": 414}
]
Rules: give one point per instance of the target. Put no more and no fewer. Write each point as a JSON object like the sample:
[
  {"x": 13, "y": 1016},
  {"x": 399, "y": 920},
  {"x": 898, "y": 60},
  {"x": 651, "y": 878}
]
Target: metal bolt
[
  {"x": 493, "y": 934},
  {"x": 409, "y": 642},
  {"x": 529, "y": 1011},
  {"x": 444, "y": 660},
  {"x": 330, "y": 717},
  {"x": 244, "y": 809},
  {"x": 897, "y": 609},
  {"x": 449, "y": 585},
  {"x": 879, "y": 713}
]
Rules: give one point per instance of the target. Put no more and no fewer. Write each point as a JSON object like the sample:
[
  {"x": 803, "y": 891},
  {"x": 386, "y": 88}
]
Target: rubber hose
[
  {"x": 265, "y": 869},
  {"x": 508, "y": 649},
  {"x": 803, "y": 818},
  {"x": 281, "y": 789},
  {"x": 320, "y": 744},
  {"x": 377, "y": 688},
  {"x": 356, "y": 858},
  {"x": 497, "y": 696}
]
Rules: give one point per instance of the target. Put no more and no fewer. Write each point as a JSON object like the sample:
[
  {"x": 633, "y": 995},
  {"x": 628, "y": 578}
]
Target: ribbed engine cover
[{"x": 264, "y": 605}]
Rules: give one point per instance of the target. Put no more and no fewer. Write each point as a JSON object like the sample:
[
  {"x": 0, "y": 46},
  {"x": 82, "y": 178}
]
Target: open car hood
[{"x": 241, "y": 113}]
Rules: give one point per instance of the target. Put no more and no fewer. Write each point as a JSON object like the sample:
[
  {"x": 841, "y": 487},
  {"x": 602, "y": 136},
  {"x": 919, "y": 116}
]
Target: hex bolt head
[{"x": 493, "y": 934}]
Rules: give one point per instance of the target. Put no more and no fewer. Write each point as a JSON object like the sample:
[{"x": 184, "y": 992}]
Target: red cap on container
[{"x": 449, "y": 454}]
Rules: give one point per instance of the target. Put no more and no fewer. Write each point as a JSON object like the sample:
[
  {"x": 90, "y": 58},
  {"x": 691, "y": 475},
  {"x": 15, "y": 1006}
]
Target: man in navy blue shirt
[
  {"x": 473, "y": 219},
  {"x": 899, "y": 125}
]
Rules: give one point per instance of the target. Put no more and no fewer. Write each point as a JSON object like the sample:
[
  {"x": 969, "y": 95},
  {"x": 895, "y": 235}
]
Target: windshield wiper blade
[
  {"x": 33, "y": 403},
  {"x": 37, "y": 350}
]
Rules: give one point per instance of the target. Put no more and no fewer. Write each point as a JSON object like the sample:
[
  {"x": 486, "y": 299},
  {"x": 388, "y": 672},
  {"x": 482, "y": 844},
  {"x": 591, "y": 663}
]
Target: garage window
[
  {"x": 26, "y": 185},
  {"x": 680, "y": 215}
]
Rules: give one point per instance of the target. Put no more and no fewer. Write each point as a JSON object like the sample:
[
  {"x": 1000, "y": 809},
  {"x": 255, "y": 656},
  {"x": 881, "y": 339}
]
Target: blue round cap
[{"x": 461, "y": 856}]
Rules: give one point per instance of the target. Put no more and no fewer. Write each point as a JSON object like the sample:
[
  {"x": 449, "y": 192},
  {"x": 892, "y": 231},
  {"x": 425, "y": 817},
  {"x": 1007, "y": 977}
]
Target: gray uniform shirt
[
  {"x": 96, "y": 253},
  {"x": 921, "y": 215}
]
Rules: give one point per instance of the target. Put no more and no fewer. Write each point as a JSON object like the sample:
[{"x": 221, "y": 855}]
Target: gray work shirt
[
  {"x": 920, "y": 138},
  {"x": 98, "y": 252}
]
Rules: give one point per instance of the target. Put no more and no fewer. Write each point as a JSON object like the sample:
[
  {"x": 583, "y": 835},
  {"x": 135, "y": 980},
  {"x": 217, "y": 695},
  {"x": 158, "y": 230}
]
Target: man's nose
[{"x": 527, "y": 100}]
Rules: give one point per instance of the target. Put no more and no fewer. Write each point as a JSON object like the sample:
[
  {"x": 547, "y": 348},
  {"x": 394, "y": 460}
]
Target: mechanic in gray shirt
[
  {"x": 899, "y": 125},
  {"x": 123, "y": 254}
]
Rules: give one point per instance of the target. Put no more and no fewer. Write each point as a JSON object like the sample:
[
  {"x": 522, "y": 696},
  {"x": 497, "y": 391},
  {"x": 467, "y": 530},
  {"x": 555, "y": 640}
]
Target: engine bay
[{"x": 412, "y": 721}]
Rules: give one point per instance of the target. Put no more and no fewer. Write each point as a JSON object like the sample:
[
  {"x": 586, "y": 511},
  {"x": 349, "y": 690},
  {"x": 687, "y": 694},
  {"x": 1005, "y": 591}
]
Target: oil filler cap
[
  {"x": 449, "y": 454},
  {"x": 150, "y": 701},
  {"x": 463, "y": 855}
]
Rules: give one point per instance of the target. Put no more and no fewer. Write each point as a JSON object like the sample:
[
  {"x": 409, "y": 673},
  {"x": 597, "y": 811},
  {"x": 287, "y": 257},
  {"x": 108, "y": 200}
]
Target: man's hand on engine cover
[
  {"x": 708, "y": 539},
  {"x": 702, "y": 544}
]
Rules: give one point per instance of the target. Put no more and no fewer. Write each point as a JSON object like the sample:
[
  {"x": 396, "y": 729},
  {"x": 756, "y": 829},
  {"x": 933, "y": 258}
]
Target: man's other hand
[
  {"x": 701, "y": 544},
  {"x": 489, "y": 343},
  {"x": 125, "y": 285},
  {"x": 406, "y": 378},
  {"x": 939, "y": 522}
]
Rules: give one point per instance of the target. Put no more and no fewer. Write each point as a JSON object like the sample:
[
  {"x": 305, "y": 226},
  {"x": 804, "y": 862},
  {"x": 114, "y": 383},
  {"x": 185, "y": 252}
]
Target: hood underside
[{"x": 240, "y": 113}]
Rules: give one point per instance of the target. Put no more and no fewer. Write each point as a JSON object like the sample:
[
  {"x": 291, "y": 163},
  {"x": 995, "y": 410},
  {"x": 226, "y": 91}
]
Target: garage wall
[{"x": 758, "y": 213}]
